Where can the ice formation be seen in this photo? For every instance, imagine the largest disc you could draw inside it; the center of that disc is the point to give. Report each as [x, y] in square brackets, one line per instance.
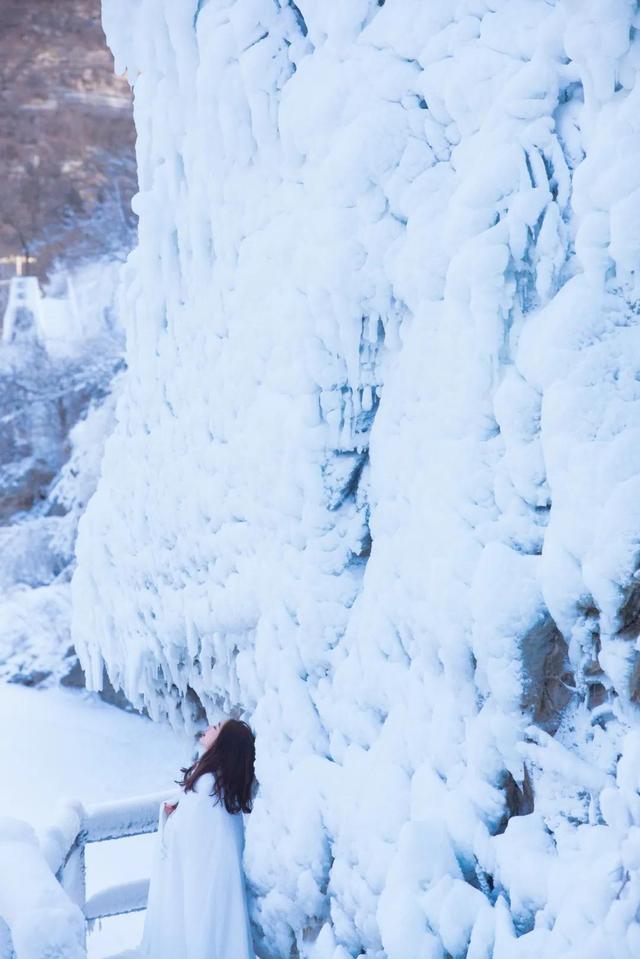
[376, 474]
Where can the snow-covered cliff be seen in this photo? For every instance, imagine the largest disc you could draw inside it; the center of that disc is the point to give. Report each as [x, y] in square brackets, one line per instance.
[59, 356]
[376, 475]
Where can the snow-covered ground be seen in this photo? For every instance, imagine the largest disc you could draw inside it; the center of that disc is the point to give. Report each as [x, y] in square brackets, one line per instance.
[61, 744]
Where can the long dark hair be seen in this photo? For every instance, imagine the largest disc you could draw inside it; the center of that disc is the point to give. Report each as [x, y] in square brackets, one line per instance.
[231, 759]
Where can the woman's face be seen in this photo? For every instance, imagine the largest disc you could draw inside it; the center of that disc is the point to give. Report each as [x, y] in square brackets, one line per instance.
[210, 735]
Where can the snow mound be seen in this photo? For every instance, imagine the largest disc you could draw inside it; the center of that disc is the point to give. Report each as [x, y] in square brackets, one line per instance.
[44, 923]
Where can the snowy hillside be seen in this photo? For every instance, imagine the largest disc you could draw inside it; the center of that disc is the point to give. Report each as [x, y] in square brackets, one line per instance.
[376, 474]
[58, 357]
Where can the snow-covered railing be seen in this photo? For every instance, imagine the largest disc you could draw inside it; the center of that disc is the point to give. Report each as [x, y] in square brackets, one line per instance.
[63, 850]
[101, 822]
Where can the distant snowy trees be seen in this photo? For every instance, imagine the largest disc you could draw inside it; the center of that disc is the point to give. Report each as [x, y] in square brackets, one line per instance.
[41, 399]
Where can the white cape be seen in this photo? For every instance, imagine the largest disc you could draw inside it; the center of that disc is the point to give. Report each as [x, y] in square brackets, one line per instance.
[197, 903]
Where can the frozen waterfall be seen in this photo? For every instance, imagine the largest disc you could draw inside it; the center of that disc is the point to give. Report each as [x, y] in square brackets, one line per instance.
[376, 475]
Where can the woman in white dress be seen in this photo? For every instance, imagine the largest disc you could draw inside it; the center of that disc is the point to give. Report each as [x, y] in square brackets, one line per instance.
[197, 902]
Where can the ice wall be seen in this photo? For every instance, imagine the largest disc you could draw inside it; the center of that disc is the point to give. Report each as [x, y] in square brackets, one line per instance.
[376, 475]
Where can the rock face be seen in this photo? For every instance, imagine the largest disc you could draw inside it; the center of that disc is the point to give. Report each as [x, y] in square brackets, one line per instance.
[66, 135]
[375, 480]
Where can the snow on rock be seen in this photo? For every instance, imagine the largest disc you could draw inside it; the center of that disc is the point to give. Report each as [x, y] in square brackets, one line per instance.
[36, 561]
[34, 632]
[44, 922]
[375, 476]
[29, 554]
[56, 408]
[80, 305]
